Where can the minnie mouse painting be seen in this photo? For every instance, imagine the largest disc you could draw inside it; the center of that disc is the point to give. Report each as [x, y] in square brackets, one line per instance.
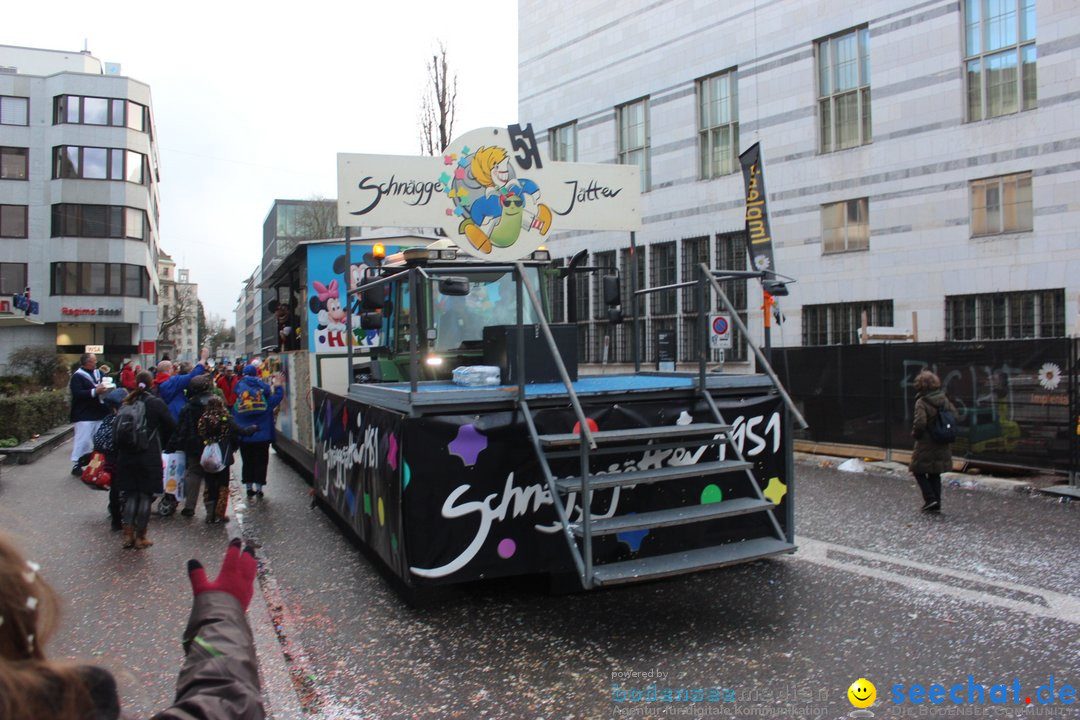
[326, 304]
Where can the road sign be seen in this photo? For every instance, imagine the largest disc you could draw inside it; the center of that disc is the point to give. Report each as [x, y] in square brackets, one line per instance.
[96, 349]
[720, 332]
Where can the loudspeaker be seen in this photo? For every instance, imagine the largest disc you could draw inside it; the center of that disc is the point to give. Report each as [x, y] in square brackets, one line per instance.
[500, 350]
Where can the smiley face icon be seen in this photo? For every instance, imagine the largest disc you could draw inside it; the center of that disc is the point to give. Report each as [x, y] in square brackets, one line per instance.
[862, 693]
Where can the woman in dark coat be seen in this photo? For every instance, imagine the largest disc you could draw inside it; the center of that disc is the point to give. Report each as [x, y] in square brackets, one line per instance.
[139, 474]
[930, 458]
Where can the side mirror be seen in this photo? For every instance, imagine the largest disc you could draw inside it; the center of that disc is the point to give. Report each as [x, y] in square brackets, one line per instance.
[612, 296]
[457, 286]
[371, 321]
[372, 298]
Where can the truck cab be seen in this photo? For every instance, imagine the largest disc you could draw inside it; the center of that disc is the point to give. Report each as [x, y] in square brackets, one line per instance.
[448, 313]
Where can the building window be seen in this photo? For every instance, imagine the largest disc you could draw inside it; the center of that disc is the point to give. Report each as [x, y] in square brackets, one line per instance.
[731, 255]
[12, 278]
[104, 221]
[694, 252]
[556, 288]
[12, 221]
[564, 143]
[840, 323]
[604, 340]
[630, 283]
[999, 61]
[122, 280]
[91, 163]
[633, 122]
[845, 226]
[1000, 316]
[844, 90]
[78, 110]
[1001, 205]
[14, 110]
[14, 163]
[662, 271]
[580, 307]
[718, 125]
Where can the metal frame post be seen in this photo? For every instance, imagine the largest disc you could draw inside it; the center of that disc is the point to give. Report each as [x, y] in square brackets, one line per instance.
[348, 314]
[634, 301]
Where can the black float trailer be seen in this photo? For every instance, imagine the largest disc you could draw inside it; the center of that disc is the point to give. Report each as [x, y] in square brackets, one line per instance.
[447, 483]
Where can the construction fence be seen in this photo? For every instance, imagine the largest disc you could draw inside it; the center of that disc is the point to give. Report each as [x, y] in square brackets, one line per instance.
[1017, 400]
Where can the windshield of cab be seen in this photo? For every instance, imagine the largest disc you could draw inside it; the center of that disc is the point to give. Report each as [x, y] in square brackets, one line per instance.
[492, 300]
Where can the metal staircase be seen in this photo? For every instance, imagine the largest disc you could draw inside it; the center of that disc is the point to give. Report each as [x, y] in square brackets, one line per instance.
[587, 444]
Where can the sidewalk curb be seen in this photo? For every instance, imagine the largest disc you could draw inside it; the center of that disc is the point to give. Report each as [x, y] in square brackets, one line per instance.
[963, 481]
[32, 450]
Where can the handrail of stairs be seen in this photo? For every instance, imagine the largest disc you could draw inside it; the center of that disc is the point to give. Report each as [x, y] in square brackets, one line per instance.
[757, 351]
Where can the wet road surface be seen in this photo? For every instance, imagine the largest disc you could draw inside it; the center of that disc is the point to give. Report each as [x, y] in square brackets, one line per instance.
[991, 588]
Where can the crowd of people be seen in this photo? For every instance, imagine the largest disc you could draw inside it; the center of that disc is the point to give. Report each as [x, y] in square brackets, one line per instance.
[173, 409]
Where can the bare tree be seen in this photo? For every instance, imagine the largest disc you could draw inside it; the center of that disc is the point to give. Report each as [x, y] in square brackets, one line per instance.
[438, 106]
[317, 219]
[184, 305]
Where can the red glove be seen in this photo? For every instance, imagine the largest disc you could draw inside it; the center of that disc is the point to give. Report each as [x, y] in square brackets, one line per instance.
[237, 576]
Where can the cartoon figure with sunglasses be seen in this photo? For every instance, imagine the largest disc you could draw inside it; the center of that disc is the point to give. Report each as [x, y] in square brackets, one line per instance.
[498, 212]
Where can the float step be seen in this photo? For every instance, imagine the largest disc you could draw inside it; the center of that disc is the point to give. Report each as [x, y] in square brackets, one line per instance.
[662, 566]
[674, 516]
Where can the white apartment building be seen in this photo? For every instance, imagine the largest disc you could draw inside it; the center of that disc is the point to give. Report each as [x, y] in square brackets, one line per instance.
[920, 157]
[78, 203]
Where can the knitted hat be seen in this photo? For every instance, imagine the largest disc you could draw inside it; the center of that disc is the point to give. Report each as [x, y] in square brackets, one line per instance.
[115, 398]
[251, 370]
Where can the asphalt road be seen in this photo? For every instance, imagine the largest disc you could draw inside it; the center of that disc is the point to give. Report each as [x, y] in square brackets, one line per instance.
[990, 589]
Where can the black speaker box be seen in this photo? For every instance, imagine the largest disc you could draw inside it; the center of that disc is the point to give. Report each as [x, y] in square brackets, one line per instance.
[500, 350]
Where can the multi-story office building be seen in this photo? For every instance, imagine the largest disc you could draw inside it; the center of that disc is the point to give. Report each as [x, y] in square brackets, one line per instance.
[288, 223]
[248, 319]
[78, 202]
[919, 157]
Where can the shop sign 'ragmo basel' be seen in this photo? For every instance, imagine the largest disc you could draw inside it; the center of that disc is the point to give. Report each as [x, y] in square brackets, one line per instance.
[490, 191]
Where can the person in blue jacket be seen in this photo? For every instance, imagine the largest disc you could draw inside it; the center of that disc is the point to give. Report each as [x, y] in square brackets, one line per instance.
[255, 403]
[170, 388]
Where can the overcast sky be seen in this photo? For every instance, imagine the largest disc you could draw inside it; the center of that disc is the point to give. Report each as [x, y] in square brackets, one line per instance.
[252, 101]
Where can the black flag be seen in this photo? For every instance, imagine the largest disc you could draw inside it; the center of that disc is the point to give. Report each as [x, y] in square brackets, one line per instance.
[758, 235]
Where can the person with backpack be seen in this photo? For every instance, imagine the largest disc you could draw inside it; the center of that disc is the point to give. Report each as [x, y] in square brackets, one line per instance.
[934, 429]
[105, 443]
[142, 427]
[186, 439]
[255, 403]
[217, 427]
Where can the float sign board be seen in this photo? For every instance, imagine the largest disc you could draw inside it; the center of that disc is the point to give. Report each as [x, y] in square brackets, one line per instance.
[490, 191]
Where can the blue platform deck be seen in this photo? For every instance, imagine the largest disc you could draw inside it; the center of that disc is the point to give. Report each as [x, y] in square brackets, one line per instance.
[436, 394]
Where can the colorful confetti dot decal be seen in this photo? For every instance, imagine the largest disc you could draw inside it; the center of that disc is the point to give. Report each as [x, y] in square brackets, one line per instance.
[406, 473]
[711, 494]
[350, 501]
[633, 538]
[391, 453]
[468, 444]
[367, 504]
[775, 490]
[393, 541]
[507, 548]
[382, 513]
